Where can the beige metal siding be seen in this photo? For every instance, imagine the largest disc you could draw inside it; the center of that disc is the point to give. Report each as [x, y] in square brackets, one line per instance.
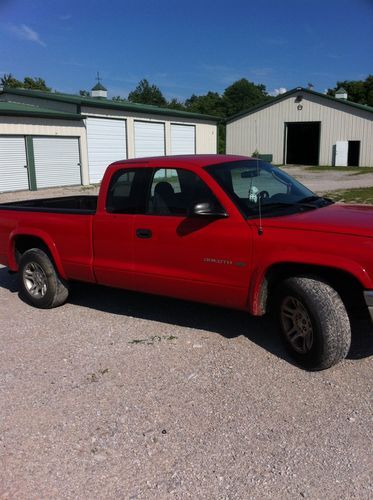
[12, 125]
[265, 129]
[206, 132]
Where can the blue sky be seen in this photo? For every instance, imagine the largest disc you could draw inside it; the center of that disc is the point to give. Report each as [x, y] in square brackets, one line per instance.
[186, 47]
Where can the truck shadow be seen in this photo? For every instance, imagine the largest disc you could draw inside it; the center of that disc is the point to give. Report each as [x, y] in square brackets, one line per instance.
[226, 322]
[229, 323]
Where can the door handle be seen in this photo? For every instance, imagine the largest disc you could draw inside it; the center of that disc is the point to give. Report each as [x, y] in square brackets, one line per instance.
[144, 233]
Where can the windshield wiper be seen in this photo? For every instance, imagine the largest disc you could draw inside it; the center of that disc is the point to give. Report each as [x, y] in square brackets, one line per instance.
[284, 204]
[313, 198]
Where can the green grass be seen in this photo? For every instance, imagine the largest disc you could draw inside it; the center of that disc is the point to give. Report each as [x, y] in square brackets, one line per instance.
[89, 187]
[354, 170]
[355, 195]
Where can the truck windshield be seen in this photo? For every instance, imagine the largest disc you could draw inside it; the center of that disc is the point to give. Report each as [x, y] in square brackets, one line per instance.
[248, 182]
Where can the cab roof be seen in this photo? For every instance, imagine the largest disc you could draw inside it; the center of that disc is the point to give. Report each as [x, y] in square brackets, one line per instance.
[182, 160]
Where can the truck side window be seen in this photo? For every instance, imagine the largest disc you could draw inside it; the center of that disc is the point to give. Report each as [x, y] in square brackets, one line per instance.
[175, 191]
[126, 193]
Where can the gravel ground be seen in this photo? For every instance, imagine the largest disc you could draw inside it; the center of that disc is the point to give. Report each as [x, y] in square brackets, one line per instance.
[124, 395]
[322, 182]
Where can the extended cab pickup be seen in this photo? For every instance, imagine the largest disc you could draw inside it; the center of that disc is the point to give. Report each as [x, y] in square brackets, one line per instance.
[226, 230]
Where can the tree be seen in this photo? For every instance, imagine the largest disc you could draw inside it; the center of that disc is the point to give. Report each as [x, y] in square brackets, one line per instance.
[176, 104]
[8, 80]
[145, 93]
[35, 84]
[210, 104]
[118, 98]
[359, 91]
[242, 95]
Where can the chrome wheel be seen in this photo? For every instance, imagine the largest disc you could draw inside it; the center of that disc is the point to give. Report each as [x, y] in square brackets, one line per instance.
[35, 280]
[296, 324]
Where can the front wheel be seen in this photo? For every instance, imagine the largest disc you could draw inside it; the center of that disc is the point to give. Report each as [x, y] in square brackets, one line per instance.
[39, 282]
[314, 323]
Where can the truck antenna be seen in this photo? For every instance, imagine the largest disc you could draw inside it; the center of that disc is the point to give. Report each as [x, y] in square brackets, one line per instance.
[260, 228]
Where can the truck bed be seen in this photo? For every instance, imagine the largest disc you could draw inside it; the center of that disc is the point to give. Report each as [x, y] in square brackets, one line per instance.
[82, 204]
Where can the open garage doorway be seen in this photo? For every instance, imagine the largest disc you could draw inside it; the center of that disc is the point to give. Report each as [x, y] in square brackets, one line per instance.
[353, 156]
[302, 143]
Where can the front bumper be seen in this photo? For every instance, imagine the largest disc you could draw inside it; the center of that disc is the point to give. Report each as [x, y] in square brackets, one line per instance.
[368, 295]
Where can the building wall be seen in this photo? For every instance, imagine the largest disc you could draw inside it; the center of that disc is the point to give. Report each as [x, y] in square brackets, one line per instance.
[49, 127]
[264, 130]
[206, 132]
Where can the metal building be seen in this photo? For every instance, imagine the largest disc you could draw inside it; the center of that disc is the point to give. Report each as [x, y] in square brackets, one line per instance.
[305, 127]
[50, 139]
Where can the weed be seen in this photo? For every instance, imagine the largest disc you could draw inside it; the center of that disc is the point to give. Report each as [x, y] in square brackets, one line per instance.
[153, 339]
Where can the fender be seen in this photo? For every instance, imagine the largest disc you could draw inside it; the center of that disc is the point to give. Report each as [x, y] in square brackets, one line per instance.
[258, 282]
[35, 233]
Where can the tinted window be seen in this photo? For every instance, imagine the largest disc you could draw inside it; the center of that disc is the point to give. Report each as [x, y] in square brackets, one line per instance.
[127, 191]
[176, 191]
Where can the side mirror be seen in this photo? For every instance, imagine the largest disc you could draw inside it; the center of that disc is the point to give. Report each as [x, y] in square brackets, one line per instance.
[207, 209]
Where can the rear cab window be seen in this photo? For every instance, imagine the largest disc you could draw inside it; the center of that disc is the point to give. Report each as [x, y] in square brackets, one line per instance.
[127, 191]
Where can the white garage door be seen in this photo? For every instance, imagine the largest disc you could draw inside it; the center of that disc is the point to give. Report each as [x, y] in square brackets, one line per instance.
[149, 139]
[106, 144]
[183, 139]
[57, 161]
[13, 174]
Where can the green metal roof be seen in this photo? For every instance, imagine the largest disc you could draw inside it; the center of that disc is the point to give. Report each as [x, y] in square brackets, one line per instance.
[17, 109]
[341, 90]
[342, 102]
[108, 104]
[98, 86]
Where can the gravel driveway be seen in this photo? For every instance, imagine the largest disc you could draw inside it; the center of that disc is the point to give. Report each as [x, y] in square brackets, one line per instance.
[322, 182]
[124, 395]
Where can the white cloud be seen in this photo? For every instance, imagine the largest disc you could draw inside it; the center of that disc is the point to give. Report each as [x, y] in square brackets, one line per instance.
[26, 33]
[278, 91]
[65, 17]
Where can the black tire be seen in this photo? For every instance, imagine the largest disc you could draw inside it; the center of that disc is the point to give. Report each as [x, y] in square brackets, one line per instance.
[39, 283]
[314, 323]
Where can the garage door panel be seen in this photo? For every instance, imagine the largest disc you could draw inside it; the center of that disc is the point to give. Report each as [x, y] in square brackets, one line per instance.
[13, 174]
[106, 144]
[183, 139]
[149, 139]
[57, 161]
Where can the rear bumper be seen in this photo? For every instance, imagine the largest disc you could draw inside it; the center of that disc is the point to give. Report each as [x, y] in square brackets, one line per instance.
[368, 296]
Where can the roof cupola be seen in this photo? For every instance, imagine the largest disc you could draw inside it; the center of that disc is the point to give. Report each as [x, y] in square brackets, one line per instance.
[99, 90]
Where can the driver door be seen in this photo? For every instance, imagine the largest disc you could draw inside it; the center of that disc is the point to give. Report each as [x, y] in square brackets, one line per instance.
[202, 258]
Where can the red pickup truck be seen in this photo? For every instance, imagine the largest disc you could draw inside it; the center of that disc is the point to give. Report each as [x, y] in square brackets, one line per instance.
[226, 230]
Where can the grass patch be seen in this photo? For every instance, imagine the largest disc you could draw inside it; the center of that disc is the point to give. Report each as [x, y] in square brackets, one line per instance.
[357, 195]
[89, 187]
[354, 170]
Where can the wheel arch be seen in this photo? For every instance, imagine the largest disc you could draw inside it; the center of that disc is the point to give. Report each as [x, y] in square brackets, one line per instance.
[20, 242]
[346, 283]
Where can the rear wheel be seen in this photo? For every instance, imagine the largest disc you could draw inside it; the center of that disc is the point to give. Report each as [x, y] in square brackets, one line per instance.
[314, 323]
[39, 282]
